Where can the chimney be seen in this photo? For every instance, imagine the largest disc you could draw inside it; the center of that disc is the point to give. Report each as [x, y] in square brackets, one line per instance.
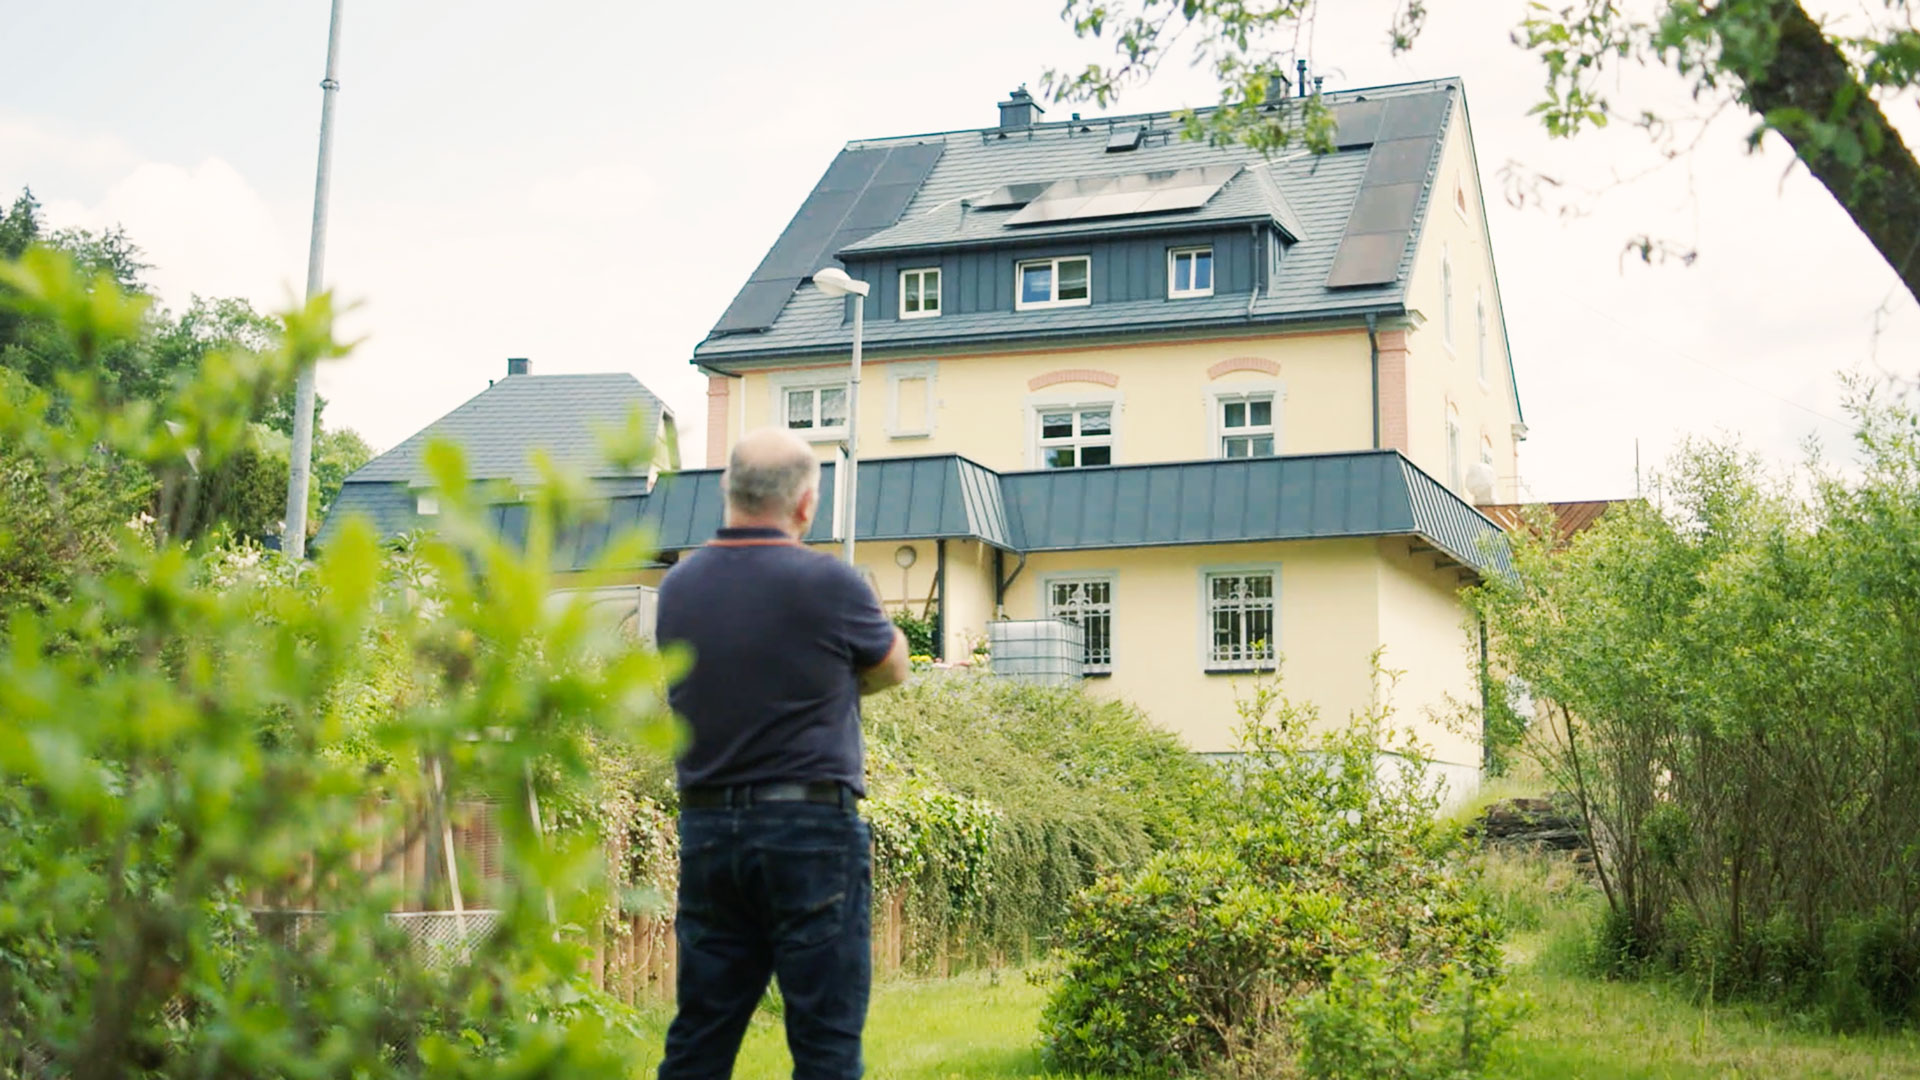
[1019, 110]
[1277, 90]
[519, 365]
[1301, 85]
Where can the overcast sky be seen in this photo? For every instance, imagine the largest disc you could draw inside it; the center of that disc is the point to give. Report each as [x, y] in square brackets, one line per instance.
[588, 183]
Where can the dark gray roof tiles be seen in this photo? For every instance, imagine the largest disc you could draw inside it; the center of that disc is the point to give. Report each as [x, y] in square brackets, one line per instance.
[500, 428]
[1310, 196]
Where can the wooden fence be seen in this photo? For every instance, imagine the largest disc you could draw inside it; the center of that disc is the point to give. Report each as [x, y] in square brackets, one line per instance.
[633, 955]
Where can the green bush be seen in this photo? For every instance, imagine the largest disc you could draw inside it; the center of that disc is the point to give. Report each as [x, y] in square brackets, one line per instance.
[995, 803]
[1323, 915]
[205, 751]
[921, 632]
[1716, 665]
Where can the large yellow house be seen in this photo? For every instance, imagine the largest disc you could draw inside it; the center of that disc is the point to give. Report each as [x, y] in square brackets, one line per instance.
[1225, 412]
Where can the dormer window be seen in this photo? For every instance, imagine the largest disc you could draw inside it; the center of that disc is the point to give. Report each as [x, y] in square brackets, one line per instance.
[1189, 272]
[920, 293]
[1047, 283]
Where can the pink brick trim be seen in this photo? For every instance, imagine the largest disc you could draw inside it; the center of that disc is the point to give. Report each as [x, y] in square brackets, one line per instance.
[1051, 378]
[1393, 391]
[1243, 363]
[719, 390]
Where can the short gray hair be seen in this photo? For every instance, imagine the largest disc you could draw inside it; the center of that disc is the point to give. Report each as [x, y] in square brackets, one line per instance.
[765, 480]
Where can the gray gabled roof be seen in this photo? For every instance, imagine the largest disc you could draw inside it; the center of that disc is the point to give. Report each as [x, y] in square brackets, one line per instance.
[1302, 497]
[500, 428]
[1313, 198]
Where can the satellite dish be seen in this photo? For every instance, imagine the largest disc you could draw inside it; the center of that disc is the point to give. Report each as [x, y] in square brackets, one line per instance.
[1480, 482]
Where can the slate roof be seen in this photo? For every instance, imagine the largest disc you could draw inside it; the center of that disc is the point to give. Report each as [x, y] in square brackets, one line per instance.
[500, 428]
[1312, 197]
[1300, 497]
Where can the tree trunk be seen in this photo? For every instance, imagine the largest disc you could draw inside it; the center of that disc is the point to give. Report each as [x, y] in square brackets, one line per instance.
[1807, 92]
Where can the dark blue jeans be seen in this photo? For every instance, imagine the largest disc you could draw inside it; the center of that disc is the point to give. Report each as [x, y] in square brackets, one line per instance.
[778, 890]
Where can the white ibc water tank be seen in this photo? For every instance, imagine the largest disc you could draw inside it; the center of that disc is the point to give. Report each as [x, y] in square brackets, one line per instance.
[631, 608]
[1050, 652]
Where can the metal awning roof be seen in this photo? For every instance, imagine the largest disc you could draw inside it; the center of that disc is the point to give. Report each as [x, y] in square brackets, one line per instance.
[1297, 497]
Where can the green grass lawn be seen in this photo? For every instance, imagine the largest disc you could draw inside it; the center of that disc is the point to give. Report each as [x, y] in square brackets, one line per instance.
[978, 1026]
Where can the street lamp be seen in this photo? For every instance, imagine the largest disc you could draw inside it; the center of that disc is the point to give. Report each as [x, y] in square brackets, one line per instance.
[835, 282]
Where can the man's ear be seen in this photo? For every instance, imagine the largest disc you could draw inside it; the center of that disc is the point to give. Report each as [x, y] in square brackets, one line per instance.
[809, 502]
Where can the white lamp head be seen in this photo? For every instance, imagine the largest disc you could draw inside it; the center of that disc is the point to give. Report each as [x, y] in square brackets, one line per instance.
[834, 282]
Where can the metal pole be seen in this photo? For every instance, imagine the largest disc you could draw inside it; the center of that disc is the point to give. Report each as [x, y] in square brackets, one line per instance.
[853, 425]
[293, 536]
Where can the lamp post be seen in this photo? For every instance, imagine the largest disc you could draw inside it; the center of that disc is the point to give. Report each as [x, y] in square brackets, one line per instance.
[834, 282]
[293, 534]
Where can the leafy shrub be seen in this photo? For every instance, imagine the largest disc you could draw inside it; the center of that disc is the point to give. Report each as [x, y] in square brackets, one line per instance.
[995, 803]
[1715, 666]
[1322, 917]
[920, 632]
[186, 750]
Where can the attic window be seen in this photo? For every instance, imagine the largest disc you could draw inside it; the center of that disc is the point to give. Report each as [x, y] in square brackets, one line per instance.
[920, 293]
[1046, 283]
[1459, 197]
[1123, 139]
[1189, 272]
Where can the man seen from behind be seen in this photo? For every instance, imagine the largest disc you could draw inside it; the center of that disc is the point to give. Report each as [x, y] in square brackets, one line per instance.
[775, 864]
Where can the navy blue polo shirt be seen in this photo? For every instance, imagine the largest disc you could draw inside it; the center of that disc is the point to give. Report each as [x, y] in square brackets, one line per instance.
[779, 636]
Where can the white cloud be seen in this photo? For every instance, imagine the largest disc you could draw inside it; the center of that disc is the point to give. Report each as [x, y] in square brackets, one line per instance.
[203, 229]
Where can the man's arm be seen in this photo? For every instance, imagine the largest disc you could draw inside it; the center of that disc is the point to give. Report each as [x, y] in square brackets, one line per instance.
[889, 672]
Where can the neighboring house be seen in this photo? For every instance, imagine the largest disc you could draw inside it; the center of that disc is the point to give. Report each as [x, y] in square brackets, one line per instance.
[500, 430]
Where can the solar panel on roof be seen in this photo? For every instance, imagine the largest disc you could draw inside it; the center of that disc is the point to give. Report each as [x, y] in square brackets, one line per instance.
[862, 192]
[1120, 196]
[1407, 131]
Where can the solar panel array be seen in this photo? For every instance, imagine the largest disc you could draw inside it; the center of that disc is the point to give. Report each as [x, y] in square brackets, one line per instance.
[1123, 196]
[1404, 132]
[862, 192]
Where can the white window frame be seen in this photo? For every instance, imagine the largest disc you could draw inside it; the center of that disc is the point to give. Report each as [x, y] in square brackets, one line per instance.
[1486, 449]
[1456, 453]
[781, 386]
[1084, 577]
[426, 503]
[1446, 298]
[939, 302]
[1217, 399]
[1480, 333]
[1209, 661]
[1173, 260]
[1020, 271]
[1038, 447]
[897, 376]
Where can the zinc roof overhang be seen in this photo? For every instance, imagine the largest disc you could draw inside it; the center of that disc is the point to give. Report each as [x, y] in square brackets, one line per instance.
[1297, 497]
[1229, 312]
[1369, 493]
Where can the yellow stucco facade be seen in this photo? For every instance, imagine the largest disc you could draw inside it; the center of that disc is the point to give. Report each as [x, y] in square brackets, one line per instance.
[985, 405]
[1457, 370]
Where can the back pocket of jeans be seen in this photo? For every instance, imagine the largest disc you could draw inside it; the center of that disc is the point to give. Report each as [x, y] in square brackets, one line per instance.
[809, 889]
